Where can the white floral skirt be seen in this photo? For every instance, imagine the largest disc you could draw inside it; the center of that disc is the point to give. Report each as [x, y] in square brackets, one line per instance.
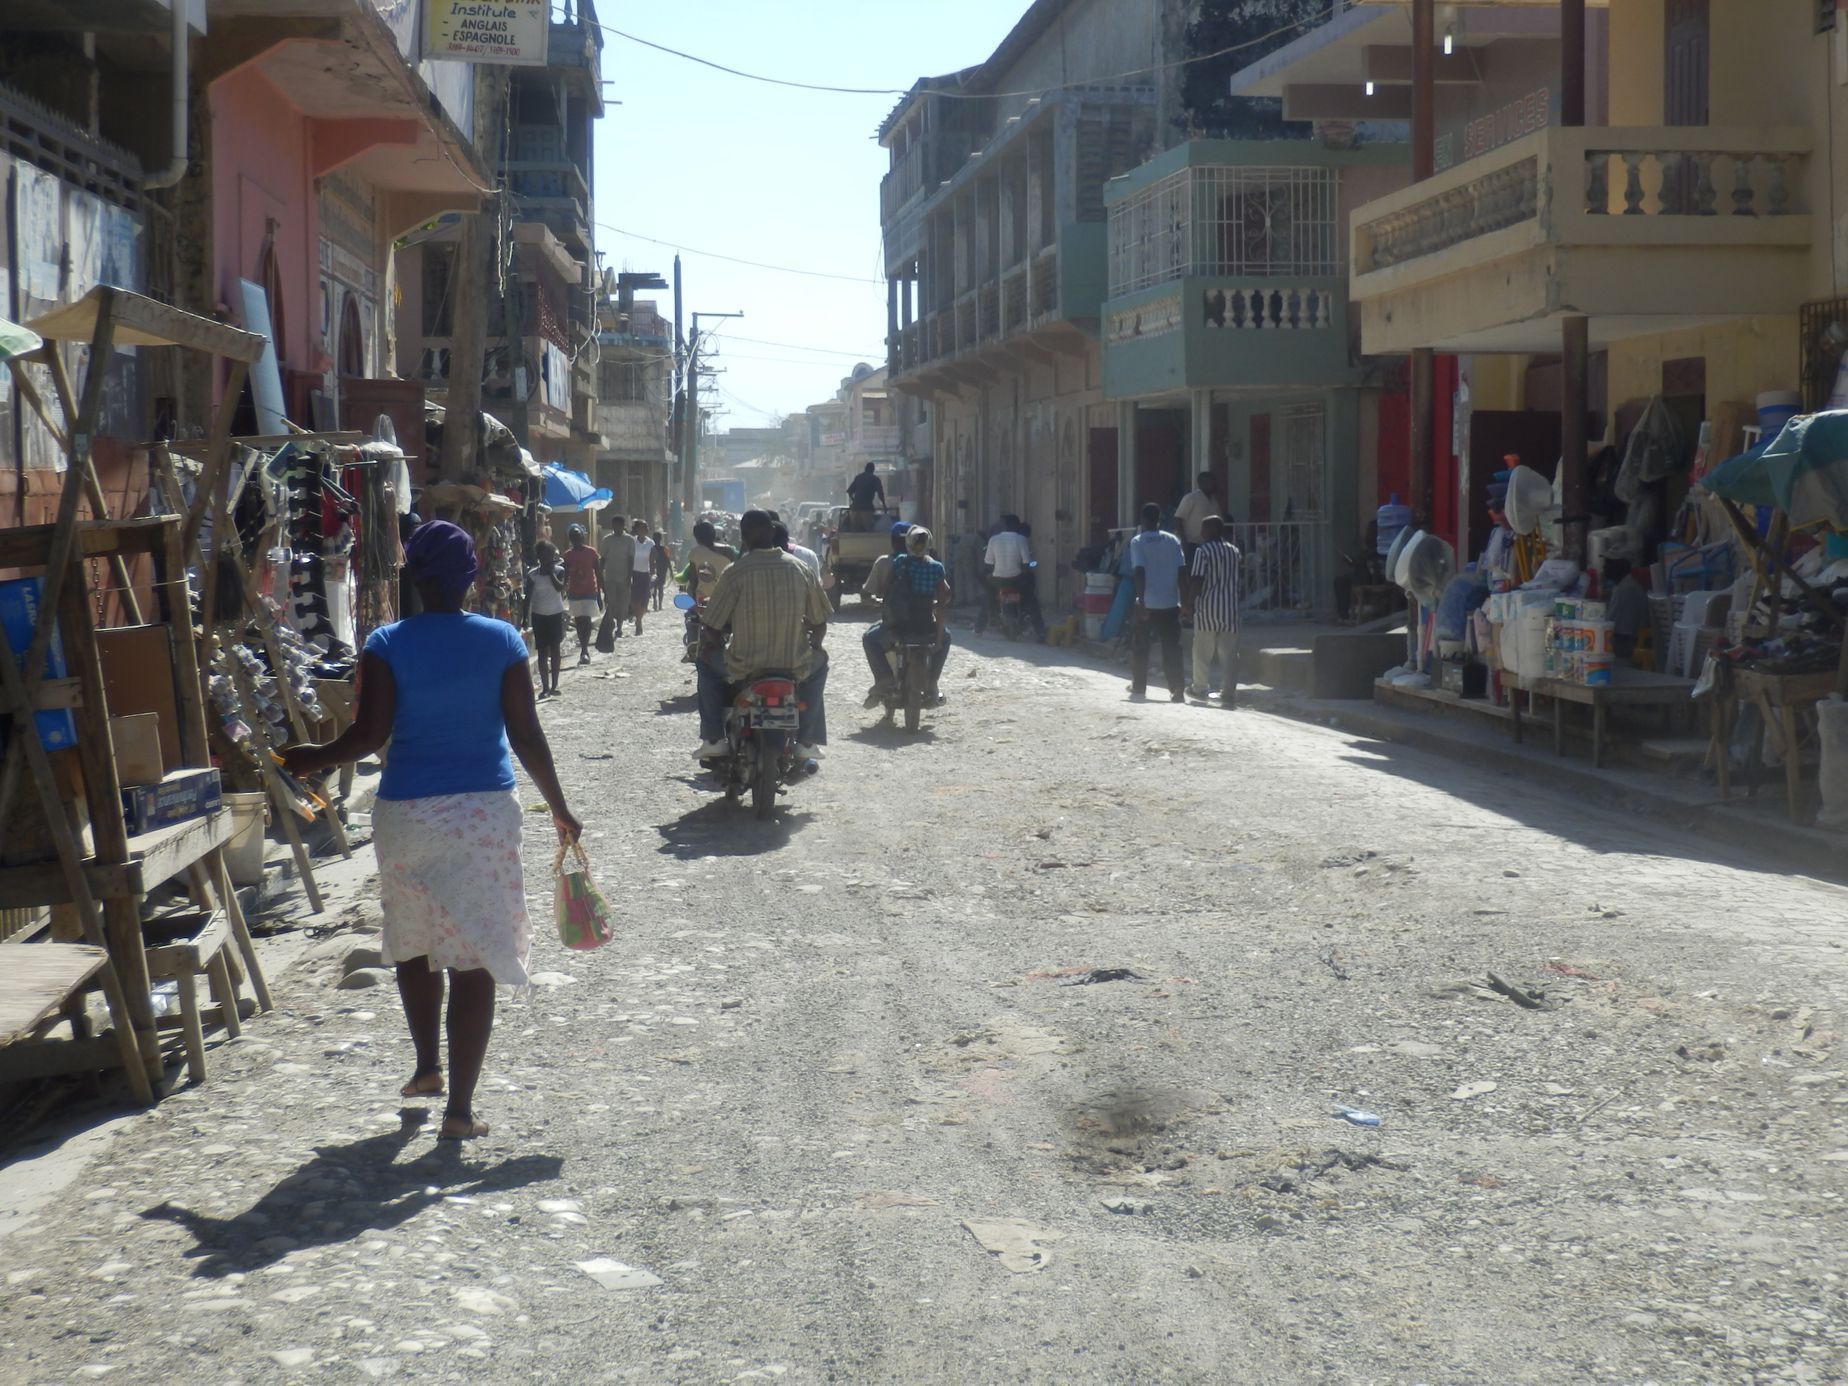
[452, 885]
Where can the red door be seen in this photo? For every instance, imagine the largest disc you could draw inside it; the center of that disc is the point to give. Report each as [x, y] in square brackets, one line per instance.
[1160, 463]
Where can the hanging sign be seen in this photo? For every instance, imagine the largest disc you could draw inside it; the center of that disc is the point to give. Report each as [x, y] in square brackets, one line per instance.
[512, 32]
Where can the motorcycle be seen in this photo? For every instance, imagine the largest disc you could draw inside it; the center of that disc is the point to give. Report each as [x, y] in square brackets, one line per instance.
[909, 689]
[1012, 608]
[685, 602]
[760, 732]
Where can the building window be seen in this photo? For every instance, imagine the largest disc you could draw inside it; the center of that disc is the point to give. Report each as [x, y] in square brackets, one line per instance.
[1231, 222]
[623, 382]
[1825, 15]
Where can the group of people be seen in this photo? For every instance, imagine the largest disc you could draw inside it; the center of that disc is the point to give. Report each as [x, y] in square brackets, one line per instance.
[611, 583]
[450, 692]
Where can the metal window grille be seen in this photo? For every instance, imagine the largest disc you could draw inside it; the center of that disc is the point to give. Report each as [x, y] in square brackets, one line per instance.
[1227, 221]
[1823, 330]
[1304, 446]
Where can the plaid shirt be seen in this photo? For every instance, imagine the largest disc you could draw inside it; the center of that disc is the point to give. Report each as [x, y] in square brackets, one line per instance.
[768, 599]
[921, 575]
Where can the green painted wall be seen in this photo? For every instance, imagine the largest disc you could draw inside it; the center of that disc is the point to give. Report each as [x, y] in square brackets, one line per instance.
[1201, 355]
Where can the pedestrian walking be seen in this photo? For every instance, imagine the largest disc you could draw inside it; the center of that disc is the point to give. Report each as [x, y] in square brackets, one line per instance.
[641, 573]
[663, 565]
[545, 609]
[1191, 514]
[1156, 558]
[617, 553]
[1212, 604]
[583, 588]
[449, 692]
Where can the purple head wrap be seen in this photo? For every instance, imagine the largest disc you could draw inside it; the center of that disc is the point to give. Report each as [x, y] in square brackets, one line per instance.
[442, 554]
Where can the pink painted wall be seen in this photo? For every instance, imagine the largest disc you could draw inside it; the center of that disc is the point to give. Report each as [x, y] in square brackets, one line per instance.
[260, 172]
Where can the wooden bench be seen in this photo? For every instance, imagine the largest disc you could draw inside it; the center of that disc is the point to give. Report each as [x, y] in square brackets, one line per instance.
[1628, 688]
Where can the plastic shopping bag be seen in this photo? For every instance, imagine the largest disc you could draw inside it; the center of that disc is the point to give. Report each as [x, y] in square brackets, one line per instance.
[583, 914]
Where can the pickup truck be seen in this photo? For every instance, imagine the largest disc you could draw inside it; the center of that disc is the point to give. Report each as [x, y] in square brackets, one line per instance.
[852, 552]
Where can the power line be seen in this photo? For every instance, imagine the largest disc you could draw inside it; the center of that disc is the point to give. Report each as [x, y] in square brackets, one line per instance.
[800, 346]
[1296, 24]
[736, 260]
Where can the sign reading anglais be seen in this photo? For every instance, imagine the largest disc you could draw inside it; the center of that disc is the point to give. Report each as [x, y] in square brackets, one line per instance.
[513, 32]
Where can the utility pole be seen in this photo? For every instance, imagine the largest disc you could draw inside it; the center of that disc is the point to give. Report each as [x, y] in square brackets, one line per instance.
[468, 330]
[677, 410]
[689, 466]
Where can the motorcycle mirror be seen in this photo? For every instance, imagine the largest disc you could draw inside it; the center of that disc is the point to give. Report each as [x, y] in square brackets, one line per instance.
[682, 602]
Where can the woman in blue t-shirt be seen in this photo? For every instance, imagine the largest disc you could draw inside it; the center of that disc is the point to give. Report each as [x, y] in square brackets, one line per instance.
[449, 691]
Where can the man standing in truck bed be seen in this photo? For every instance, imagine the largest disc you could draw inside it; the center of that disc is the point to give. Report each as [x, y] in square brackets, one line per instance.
[865, 493]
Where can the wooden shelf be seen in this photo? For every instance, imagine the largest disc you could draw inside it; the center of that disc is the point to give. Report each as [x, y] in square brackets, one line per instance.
[152, 858]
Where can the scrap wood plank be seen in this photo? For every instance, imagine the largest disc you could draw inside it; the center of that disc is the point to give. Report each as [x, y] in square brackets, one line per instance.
[37, 980]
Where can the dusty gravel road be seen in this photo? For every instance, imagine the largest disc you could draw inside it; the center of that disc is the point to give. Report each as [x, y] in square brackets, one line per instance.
[844, 1087]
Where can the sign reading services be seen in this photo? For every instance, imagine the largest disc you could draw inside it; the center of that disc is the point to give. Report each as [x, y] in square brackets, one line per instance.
[513, 32]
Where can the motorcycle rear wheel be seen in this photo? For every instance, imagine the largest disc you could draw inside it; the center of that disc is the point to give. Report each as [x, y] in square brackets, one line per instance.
[763, 786]
[915, 674]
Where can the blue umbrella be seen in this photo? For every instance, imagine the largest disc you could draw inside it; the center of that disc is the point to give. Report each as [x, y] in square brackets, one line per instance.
[568, 490]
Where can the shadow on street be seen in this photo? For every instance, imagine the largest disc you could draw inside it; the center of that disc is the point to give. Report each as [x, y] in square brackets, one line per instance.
[719, 829]
[889, 735]
[360, 1187]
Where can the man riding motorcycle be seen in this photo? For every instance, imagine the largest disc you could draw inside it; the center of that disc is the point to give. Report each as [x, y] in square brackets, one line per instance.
[1008, 562]
[924, 598]
[777, 616]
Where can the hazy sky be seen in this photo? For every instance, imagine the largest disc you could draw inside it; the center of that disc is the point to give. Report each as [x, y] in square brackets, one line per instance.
[717, 163]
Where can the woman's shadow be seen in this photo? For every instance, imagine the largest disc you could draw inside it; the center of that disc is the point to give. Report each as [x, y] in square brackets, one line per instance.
[361, 1185]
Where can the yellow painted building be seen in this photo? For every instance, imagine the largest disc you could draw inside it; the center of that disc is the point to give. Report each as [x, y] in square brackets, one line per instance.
[1691, 230]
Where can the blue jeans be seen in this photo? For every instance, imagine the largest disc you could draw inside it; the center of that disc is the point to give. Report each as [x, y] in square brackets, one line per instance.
[876, 644]
[716, 693]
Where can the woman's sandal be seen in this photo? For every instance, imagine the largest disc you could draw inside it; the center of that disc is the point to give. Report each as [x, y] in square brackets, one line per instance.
[424, 1085]
[461, 1129]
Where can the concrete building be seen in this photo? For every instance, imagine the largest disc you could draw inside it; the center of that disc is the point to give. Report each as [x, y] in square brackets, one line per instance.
[635, 371]
[539, 273]
[1229, 346]
[1498, 83]
[1619, 205]
[996, 247]
[315, 136]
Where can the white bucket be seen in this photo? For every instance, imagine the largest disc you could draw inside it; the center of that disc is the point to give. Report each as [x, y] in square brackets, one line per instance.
[244, 852]
[1100, 582]
[1094, 624]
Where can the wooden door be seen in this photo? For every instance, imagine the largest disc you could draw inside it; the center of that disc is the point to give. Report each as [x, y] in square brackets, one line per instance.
[1161, 459]
[1101, 454]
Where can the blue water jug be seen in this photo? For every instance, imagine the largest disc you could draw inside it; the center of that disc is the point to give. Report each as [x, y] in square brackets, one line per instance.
[1392, 518]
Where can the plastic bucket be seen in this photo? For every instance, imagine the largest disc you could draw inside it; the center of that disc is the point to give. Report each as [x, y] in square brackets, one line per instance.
[244, 852]
[1094, 623]
[1103, 584]
[1775, 409]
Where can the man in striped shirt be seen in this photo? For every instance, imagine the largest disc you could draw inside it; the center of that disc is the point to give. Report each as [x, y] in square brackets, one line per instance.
[1212, 601]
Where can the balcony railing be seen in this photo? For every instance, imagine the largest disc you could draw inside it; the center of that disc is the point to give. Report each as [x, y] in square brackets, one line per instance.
[1691, 186]
[1026, 297]
[1227, 220]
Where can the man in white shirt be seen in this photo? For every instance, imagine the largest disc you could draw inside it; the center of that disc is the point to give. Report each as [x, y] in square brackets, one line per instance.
[1195, 508]
[1007, 561]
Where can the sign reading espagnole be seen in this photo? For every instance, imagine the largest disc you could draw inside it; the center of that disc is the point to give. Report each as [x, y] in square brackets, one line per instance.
[513, 32]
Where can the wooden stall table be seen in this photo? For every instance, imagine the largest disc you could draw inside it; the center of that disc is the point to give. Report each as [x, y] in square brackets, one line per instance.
[1778, 696]
[1629, 687]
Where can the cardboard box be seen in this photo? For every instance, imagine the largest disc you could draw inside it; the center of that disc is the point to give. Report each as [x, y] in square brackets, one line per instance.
[181, 795]
[19, 609]
[136, 739]
[25, 836]
[138, 676]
